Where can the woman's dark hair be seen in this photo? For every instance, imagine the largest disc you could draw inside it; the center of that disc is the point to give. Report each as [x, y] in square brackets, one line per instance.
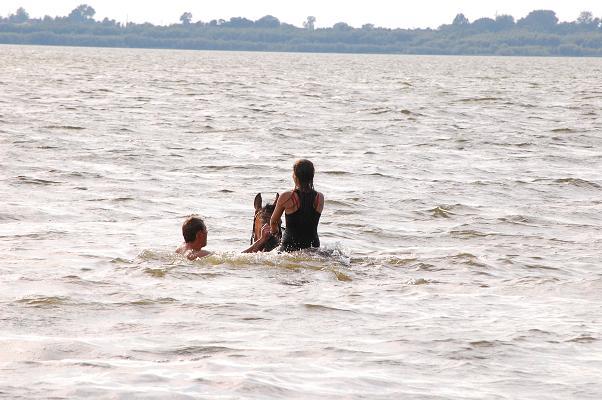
[191, 227]
[304, 171]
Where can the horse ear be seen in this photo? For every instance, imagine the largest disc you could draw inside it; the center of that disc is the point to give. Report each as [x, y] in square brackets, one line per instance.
[258, 202]
[277, 195]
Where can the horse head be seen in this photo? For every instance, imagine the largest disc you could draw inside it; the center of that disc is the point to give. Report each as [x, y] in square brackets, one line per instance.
[263, 214]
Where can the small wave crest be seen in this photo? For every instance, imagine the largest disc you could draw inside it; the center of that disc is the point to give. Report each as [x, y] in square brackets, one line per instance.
[578, 182]
[563, 130]
[520, 220]
[66, 127]
[9, 217]
[35, 181]
[43, 301]
[194, 352]
[321, 307]
[480, 99]
[441, 212]
[448, 210]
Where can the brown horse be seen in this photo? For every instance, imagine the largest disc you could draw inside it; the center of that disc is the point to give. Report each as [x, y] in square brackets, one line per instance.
[262, 217]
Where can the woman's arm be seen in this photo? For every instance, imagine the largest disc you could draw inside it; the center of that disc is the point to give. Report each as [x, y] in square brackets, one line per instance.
[278, 211]
[259, 244]
[319, 202]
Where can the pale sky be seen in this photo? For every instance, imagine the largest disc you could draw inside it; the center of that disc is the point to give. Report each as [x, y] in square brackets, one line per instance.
[385, 13]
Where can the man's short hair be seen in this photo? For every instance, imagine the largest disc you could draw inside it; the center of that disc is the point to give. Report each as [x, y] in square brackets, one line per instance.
[191, 227]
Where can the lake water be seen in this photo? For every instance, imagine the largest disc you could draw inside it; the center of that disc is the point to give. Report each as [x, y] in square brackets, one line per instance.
[462, 230]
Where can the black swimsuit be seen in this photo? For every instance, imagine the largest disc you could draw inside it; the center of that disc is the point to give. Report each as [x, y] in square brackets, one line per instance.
[302, 226]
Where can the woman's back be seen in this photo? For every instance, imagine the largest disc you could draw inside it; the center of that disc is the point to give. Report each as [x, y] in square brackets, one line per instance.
[303, 207]
[302, 225]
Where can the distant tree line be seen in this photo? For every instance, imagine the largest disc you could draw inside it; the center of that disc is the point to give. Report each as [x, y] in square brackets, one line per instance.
[538, 34]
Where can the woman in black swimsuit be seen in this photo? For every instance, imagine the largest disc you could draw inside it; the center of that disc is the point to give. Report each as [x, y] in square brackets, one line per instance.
[302, 207]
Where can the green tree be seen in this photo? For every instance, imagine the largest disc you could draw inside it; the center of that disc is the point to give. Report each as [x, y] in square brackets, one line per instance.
[539, 20]
[504, 22]
[484, 25]
[109, 22]
[309, 23]
[585, 18]
[82, 13]
[19, 16]
[239, 22]
[186, 18]
[267, 22]
[460, 20]
[342, 26]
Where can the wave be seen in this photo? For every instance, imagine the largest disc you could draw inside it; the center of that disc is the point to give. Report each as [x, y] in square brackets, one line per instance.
[468, 233]
[480, 99]
[578, 182]
[9, 217]
[332, 259]
[379, 110]
[583, 183]
[148, 302]
[66, 127]
[418, 282]
[43, 301]
[408, 112]
[336, 173]
[36, 181]
[448, 210]
[37, 235]
[583, 339]
[321, 307]
[441, 212]
[520, 220]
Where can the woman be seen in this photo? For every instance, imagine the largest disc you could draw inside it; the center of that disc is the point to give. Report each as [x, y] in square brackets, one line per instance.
[302, 207]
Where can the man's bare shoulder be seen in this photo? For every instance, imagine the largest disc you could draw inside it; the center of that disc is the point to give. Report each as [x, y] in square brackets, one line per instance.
[182, 249]
[193, 255]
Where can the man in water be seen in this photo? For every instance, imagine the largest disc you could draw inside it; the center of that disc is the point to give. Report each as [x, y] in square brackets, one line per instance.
[195, 238]
[194, 231]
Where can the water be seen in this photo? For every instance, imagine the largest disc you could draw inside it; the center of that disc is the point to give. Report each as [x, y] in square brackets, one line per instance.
[462, 227]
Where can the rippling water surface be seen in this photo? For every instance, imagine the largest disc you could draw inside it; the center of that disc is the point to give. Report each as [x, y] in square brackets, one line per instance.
[462, 230]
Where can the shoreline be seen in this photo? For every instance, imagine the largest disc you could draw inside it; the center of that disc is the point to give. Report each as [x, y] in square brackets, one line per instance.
[275, 51]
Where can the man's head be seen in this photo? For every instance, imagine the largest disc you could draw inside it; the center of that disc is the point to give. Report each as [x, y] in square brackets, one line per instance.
[194, 229]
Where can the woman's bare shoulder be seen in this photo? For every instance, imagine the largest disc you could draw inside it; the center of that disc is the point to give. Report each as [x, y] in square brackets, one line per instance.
[285, 196]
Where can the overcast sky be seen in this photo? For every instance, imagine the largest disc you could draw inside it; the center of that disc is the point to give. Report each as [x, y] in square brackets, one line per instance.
[386, 13]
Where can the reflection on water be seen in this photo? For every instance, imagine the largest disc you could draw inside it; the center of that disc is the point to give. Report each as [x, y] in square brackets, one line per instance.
[461, 228]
